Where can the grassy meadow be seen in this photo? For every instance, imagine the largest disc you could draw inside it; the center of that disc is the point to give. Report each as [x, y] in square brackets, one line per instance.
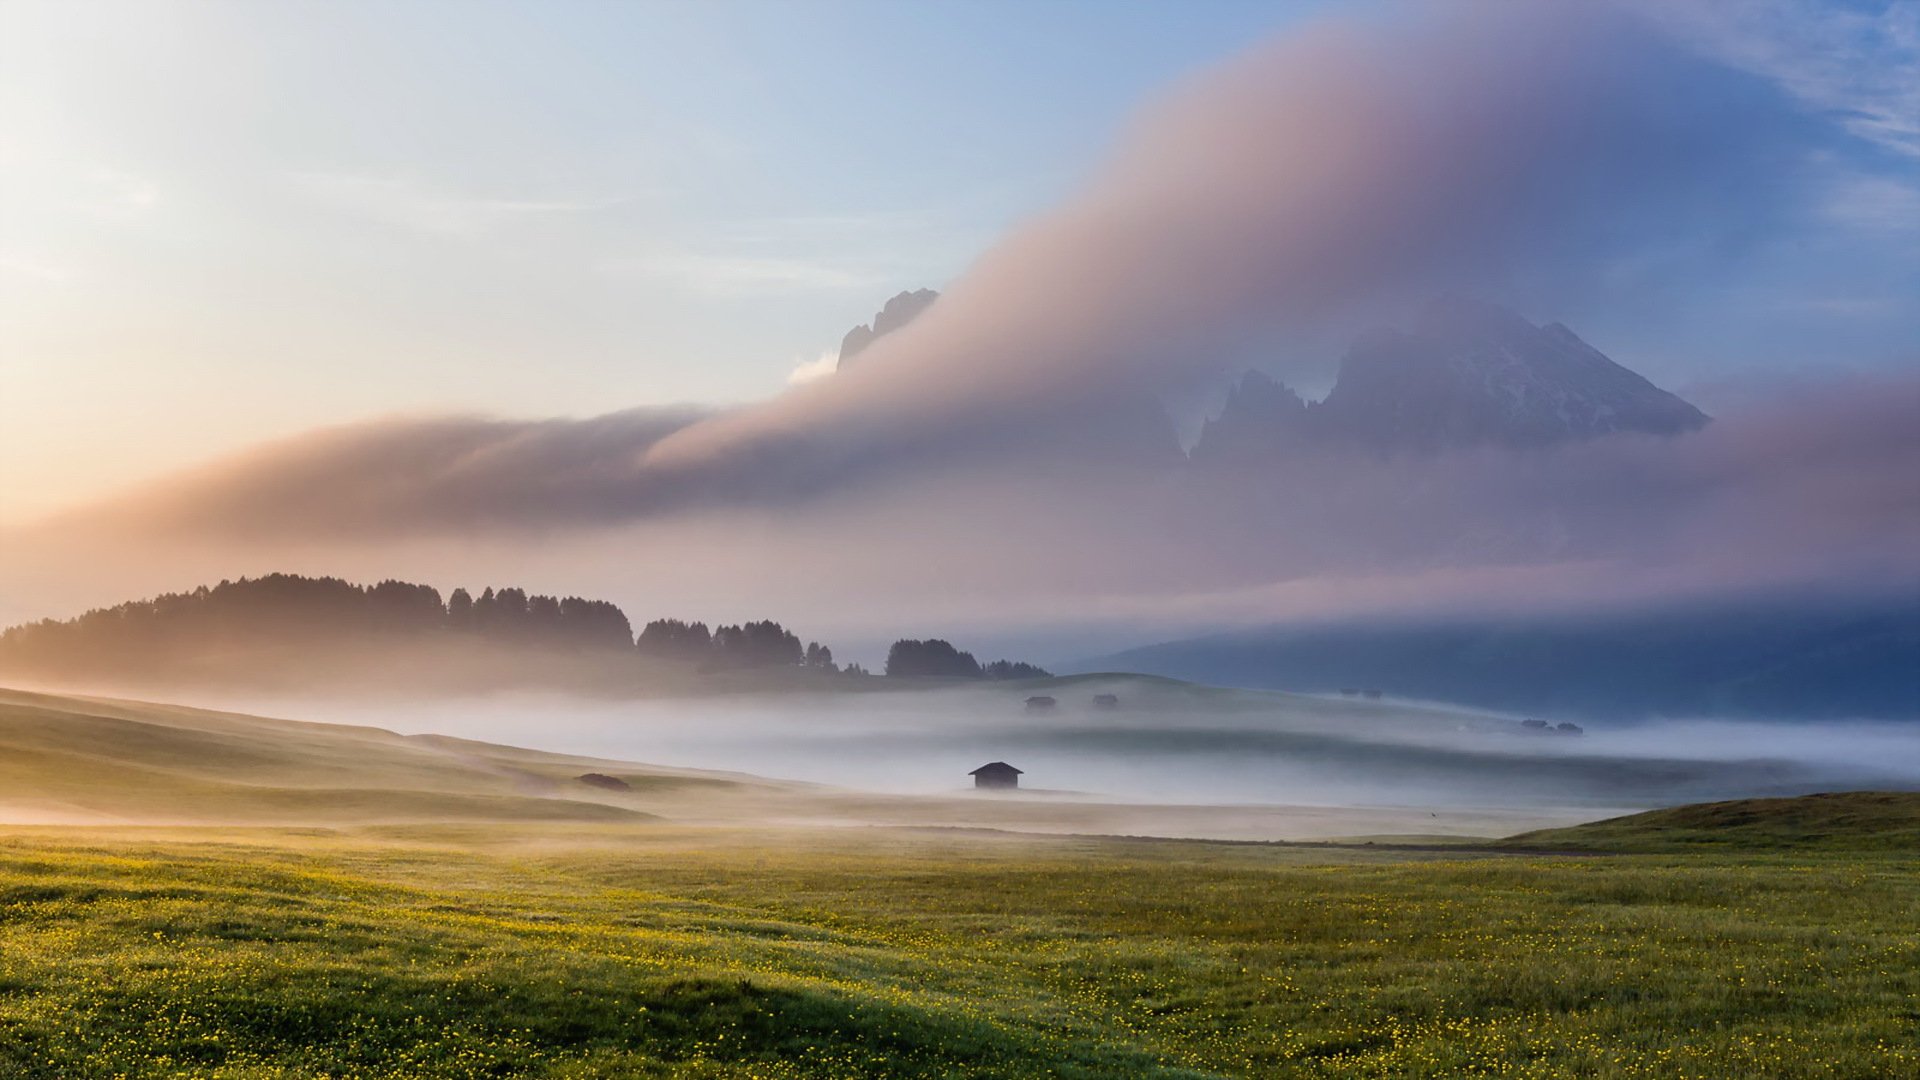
[463, 911]
[618, 950]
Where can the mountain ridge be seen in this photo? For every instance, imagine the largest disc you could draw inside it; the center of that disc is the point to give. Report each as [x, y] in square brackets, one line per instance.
[1464, 374]
[1461, 373]
[1782, 659]
[900, 309]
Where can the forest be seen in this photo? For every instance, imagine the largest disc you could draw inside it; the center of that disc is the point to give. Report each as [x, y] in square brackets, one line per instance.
[292, 615]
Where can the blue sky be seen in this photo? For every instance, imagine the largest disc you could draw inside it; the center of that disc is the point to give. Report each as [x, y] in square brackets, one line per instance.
[228, 221]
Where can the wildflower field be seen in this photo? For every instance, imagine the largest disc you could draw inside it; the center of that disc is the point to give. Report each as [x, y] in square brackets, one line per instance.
[659, 951]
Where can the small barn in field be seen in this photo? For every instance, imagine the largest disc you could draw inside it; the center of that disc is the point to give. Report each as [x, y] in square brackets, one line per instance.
[602, 780]
[1041, 703]
[996, 774]
[1106, 701]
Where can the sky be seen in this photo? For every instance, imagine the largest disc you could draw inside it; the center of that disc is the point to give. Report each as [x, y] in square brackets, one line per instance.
[225, 220]
[515, 292]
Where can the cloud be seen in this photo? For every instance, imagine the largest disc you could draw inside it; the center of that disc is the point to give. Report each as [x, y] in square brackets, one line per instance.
[819, 367]
[1814, 488]
[1861, 64]
[390, 477]
[1875, 202]
[1327, 172]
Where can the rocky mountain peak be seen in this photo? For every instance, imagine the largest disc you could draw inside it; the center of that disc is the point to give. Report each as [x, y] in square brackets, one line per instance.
[898, 311]
[1464, 373]
[1261, 417]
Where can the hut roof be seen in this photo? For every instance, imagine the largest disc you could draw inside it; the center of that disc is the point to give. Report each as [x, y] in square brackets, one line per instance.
[995, 767]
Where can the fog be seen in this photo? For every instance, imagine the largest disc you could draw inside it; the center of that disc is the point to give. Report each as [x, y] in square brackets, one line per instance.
[1817, 491]
[1173, 744]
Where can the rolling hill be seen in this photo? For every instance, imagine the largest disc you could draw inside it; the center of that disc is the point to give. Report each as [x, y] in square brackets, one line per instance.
[1848, 821]
[94, 760]
[97, 761]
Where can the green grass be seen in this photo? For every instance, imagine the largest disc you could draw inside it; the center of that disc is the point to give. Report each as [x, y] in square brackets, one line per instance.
[581, 951]
[88, 760]
[1865, 821]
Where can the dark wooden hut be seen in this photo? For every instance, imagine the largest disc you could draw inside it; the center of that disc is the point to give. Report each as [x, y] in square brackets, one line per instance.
[996, 774]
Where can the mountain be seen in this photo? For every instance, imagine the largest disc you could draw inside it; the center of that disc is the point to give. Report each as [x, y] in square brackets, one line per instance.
[1262, 419]
[903, 308]
[1464, 374]
[1778, 660]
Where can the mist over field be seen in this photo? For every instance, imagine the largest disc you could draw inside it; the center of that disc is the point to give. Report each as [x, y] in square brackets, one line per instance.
[1169, 743]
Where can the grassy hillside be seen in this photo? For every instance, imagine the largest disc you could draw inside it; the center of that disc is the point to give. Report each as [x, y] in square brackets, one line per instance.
[1864, 821]
[92, 760]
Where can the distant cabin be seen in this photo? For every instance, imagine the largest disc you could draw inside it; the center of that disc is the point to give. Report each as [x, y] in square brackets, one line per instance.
[1040, 703]
[1106, 701]
[602, 780]
[996, 774]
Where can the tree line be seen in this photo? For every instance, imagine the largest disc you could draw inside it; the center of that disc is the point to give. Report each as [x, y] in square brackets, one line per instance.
[297, 610]
[935, 658]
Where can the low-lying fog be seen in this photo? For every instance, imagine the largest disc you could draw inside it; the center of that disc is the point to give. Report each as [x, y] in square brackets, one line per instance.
[1176, 744]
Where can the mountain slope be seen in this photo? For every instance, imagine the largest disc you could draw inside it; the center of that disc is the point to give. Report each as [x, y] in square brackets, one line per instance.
[1787, 661]
[899, 310]
[1472, 373]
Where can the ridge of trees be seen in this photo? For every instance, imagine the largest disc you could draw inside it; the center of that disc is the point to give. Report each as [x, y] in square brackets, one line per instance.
[936, 658]
[296, 610]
